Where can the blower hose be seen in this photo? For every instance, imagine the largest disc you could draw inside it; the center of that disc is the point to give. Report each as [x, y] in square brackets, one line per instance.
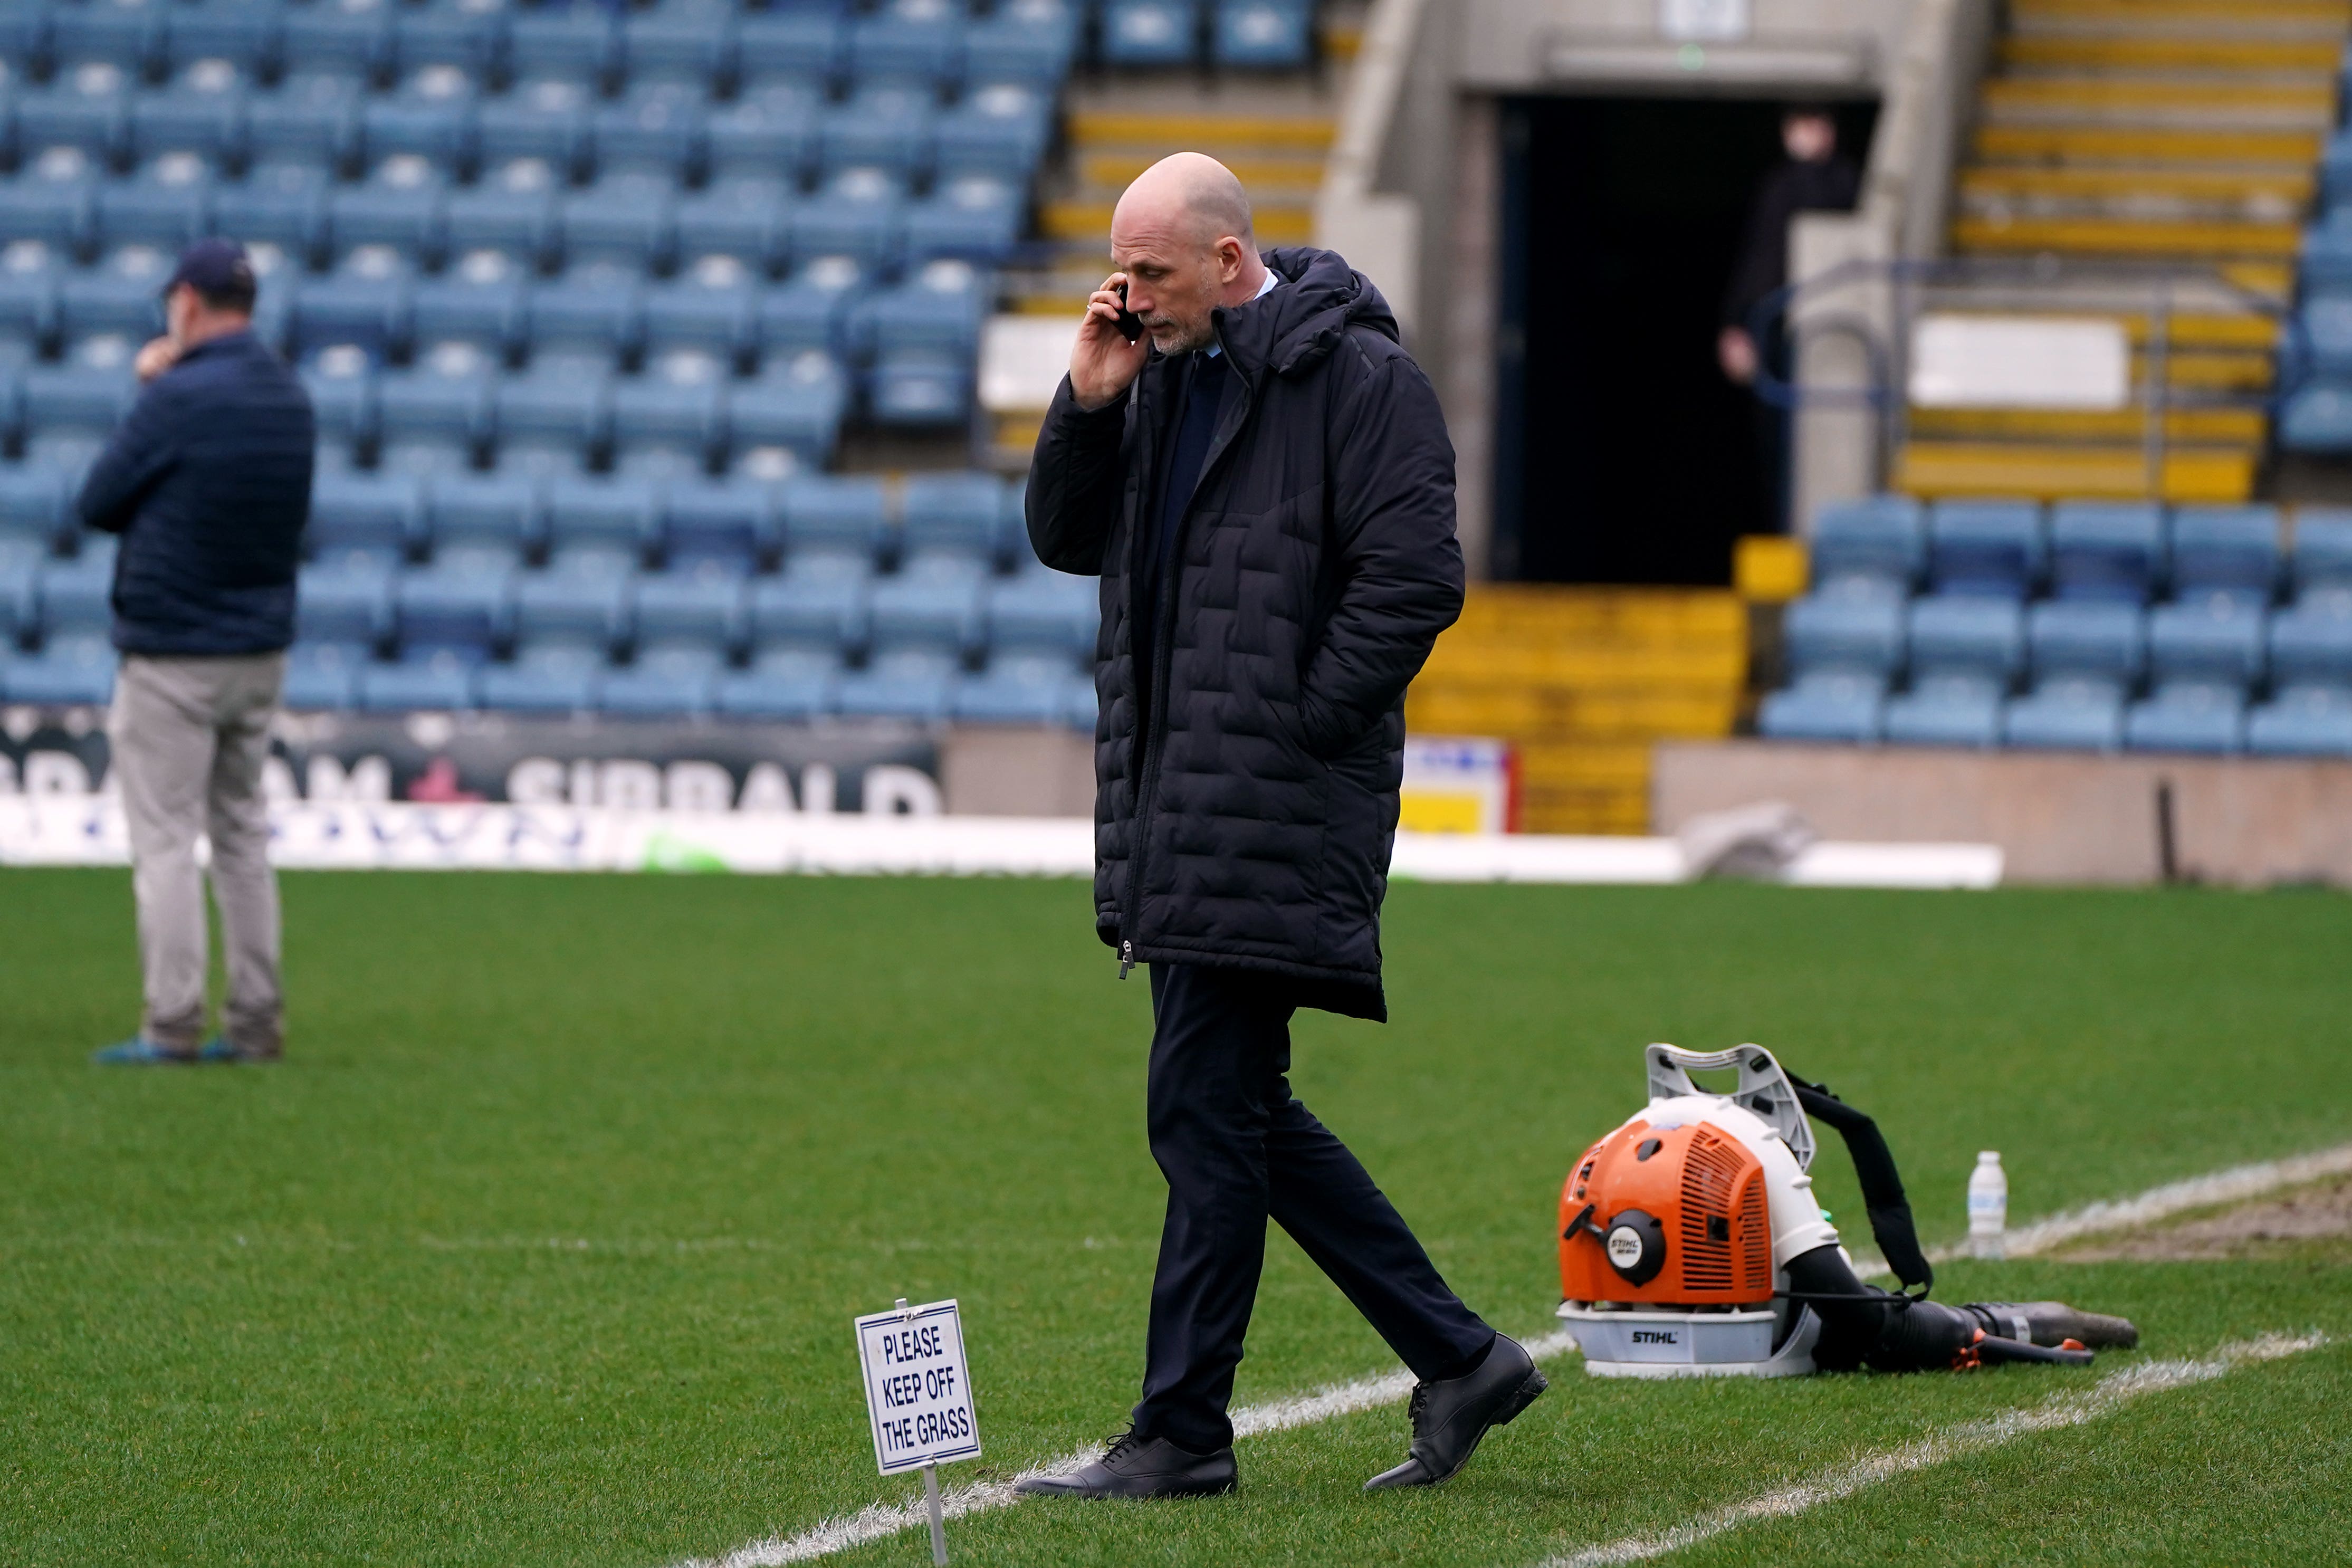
[1865, 1326]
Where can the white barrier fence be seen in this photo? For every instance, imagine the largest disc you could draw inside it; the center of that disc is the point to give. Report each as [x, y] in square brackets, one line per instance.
[87, 830]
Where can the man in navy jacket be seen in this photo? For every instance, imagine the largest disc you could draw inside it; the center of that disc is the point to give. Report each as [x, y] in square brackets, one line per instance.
[208, 482]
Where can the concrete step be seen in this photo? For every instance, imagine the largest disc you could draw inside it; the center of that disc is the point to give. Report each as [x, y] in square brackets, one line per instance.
[1574, 712]
[1162, 133]
[2267, 150]
[2184, 426]
[1518, 612]
[1267, 175]
[2052, 471]
[2100, 237]
[2141, 192]
[1278, 223]
[2201, 52]
[2159, 103]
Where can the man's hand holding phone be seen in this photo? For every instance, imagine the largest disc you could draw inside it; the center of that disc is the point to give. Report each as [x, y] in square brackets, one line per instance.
[1110, 350]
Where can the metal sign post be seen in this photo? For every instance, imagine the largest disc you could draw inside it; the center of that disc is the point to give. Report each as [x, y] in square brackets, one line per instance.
[919, 1397]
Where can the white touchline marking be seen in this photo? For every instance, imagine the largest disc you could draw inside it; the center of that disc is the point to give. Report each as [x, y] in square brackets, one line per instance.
[2235, 1185]
[2069, 1409]
[878, 1520]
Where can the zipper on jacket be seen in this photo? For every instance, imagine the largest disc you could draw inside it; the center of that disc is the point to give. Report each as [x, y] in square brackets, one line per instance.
[1164, 650]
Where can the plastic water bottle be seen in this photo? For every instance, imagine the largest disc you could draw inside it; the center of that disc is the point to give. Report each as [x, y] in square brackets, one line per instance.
[1987, 1205]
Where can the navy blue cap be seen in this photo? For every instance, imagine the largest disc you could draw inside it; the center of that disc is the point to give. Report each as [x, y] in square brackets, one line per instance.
[212, 267]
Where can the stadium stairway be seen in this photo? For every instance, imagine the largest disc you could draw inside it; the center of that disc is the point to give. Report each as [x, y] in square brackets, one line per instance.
[1583, 681]
[2114, 134]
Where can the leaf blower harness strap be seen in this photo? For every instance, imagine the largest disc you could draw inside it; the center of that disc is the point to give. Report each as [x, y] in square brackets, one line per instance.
[1891, 1332]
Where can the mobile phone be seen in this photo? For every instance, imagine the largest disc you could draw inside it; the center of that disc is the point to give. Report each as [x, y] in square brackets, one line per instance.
[1130, 325]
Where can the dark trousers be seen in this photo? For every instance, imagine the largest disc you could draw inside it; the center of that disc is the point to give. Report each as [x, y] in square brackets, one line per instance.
[1236, 1148]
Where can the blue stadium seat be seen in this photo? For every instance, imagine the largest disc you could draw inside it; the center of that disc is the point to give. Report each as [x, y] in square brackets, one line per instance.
[933, 606]
[953, 514]
[53, 202]
[690, 42]
[322, 677]
[436, 417]
[2226, 550]
[543, 677]
[741, 217]
[1029, 42]
[468, 35]
[308, 120]
[283, 205]
[2111, 551]
[769, 133]
[615, 516]
[458, 608]
[818, 602]
[887, 128]
[1959, 637]
[1876, 545]
[438, 679]
[973, 218]
[128, 35]
[920, 387]
[699, 608]
[578, 44]
[543, 120]
[340, 379]
[729, 523]
[552, 414]
[33, 520]
[2302, 722]
[711, 306]
[364, 302]
[353, 40]
[1043, 611]
[2066, 713]
[29, 273]
[663, 682]
[400, 205]
[795, 405]
[657, 130]
[85, 107]
[167, 203]
[486, 515]
[675, 407]
[859, 214]
[918, 42]
[628, 219]
[1989, 549]
[2310, 645]
[1000, 130]
[583, 611]
[84, 398]
[811, 311]
[431, 115]
[480, 302]
[345, 604]
[74, 671]
[1149, 32]
[2322, 559]
[1270, 34]
[1016, 688]
[246, 34]
[2316, 419]
[923, 336]
[202, 111]
[72, 597]
[2194, 717]
[1855, 636]
[789, 47]
[377, 515]
[2088, 641]
[124, 297]
[1826, 705]
[781, 683]
[2218, 641]
[828, 513]
[904, 684]
[591, 315]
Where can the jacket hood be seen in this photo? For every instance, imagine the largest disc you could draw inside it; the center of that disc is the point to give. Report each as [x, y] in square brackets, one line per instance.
[1295, 327]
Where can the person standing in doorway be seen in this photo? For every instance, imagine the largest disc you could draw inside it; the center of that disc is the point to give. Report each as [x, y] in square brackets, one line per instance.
[1816, 177]
[1261, 474]
[208, 483]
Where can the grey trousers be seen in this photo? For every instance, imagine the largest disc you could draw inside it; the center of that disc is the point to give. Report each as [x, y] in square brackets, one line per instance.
[189, 737]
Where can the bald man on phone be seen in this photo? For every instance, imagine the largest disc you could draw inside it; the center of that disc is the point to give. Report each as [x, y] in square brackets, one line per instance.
[1260, 474]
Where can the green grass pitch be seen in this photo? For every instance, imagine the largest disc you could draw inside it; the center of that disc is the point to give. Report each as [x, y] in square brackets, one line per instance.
[544, 1244]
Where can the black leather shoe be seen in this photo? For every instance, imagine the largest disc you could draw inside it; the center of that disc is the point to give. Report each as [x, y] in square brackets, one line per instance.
[1141, 1468]
[1450, 1417]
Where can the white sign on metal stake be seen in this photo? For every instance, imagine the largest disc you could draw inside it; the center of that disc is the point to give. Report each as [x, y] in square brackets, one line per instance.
[919, 1397]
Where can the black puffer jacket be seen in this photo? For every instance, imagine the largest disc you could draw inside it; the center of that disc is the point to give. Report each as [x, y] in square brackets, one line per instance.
[1251, 826]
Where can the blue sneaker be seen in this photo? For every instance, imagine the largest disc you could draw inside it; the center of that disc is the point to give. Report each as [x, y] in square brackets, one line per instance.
[140, 1051]
[219, 1049]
